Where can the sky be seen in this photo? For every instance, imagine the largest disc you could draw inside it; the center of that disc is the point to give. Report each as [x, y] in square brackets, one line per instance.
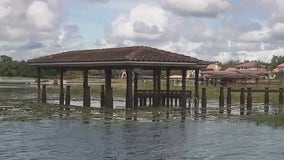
[214, 30]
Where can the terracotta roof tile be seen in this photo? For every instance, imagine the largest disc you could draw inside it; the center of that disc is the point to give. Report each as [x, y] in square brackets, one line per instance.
[136, 53]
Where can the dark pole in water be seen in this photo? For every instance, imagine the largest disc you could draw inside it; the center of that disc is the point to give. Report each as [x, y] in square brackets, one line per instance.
[43, 95]
[168, 72]
[61, 93]
[38, 84]
[86, 93]
[266, 100]
[159, 87]
[221, 100]
[102, 96]
[196, 91]
[67, 96]
[280, 100]
[249, 102]
[154, 88]
[108, 94]
[281, 96]
[183, 92]
[242, 101]
[204, 101]
[135, 89]
[229, 101]
[129, 93]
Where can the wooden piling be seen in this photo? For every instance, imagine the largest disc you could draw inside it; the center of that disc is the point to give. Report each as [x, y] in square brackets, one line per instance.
[281, 96]
[102, 96]
[249, 102]
[266, 100]
[229, 101]
[196, 92]
[61, 93]
[38, 84]
[168, 86]
[43, 94]
[221, 100]
[135, 89]
[203, 101]
[242, 101]
[87, 102]
[67, 96]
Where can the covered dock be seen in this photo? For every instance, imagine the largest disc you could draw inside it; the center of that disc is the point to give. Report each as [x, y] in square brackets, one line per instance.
[132, 59]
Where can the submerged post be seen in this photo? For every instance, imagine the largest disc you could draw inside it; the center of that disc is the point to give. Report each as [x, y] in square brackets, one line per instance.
[159, 87]
[229, 101]
[102, 96]
[281, 97]
[43, 95]
[86, 92]
[129, 93]
[67, 96]
[249, 102]
[266, 100]
[242, 101]
[135, 89]
[38, 84]
[168, 87]
[61, 93]
[203, 101]
[108, 90]
[155, 90]
[183, 92]
[196, 91]
[221, 100]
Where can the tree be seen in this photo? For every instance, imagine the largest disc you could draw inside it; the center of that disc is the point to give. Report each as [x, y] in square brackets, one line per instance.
[4, 58]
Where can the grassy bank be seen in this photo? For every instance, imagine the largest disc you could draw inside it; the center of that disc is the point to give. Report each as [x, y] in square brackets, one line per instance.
[270, 120]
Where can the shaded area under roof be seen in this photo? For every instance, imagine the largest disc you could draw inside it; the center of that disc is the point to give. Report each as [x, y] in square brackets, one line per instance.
[125, 56]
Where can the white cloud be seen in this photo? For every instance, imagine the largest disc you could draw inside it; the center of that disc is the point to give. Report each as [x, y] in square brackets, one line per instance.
[198, 8]
[5, 9]
[40, 15]
[141, 26]
[256, 35]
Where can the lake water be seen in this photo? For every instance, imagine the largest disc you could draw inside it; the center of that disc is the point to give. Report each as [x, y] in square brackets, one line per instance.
[74, 137]
[73, 140]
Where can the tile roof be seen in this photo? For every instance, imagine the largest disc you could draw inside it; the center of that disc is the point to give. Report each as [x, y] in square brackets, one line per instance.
[133, 54]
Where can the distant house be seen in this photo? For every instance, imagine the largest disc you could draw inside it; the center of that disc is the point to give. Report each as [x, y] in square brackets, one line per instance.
[250, 65]
[231, 69]
[212, 67]
[279, 68]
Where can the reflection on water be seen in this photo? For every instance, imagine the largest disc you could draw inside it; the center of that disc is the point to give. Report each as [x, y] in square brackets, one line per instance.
[66, 139]
[33, 131]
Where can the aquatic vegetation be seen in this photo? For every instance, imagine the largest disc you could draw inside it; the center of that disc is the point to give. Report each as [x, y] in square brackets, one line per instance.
[275, 120]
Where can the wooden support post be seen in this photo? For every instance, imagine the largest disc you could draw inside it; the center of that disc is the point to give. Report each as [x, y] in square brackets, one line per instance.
[159, 87]
[43, 95]
[67, 96]
[38, 84]
[155, 104]
[102, 96]
[183, 89]
[281, 97]
[135, 90]
[196, 91]
[168, 72]
[108, 91]
[203, 101]
[249, 102]
[242, 101]
[229, 101]
[266, 100]
[129, 93]
[86, 91]
[61, 93]
[221, 100]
